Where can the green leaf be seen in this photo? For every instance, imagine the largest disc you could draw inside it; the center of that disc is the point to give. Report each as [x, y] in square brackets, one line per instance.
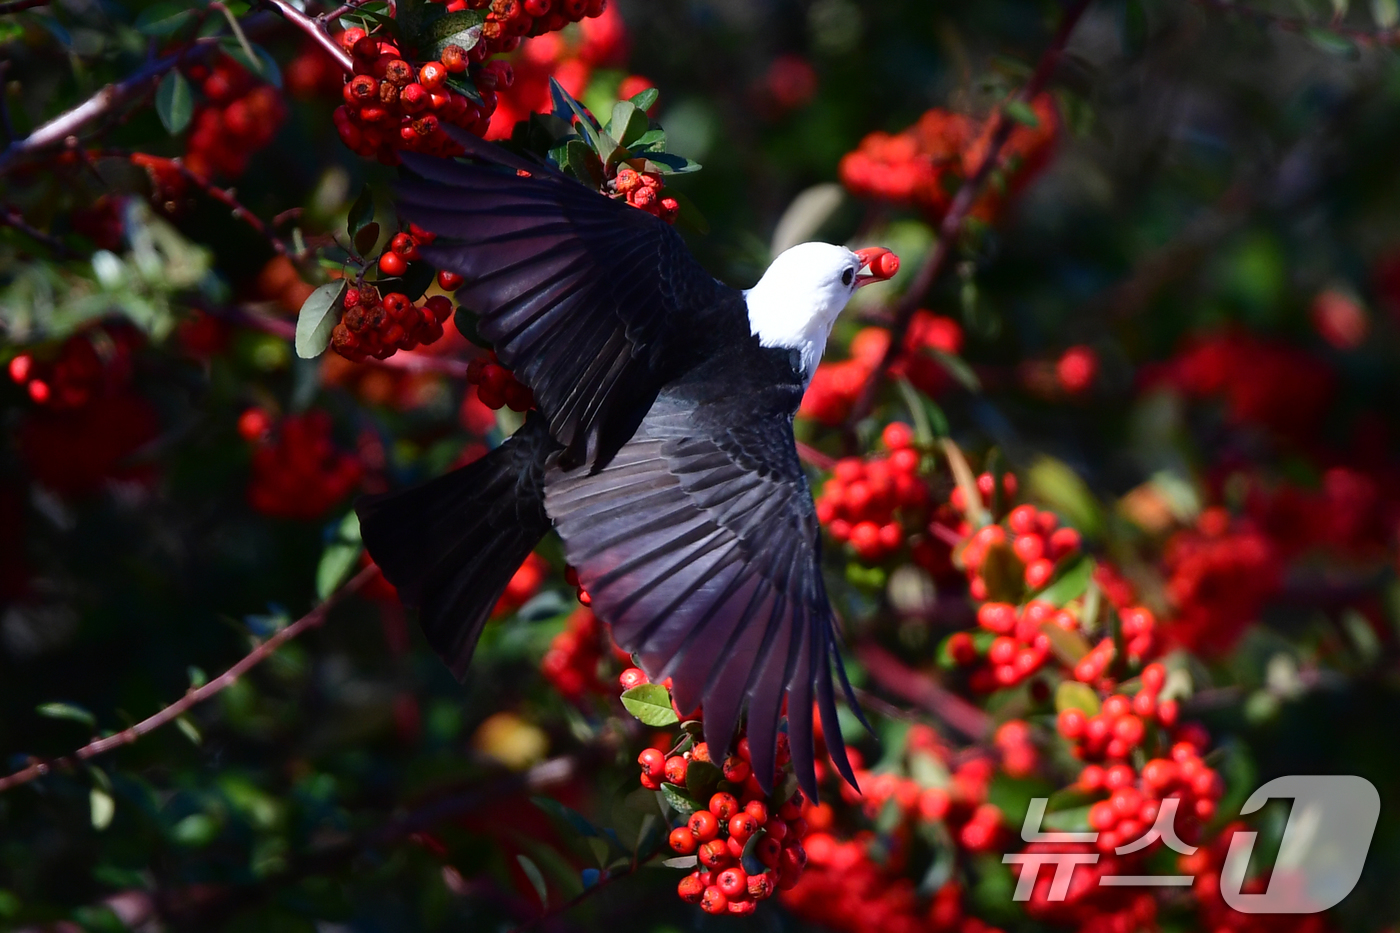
[361, 215]
[102, 808]
[1060, 488]
[366, 238]
[583, 163]
[532, 871]
[567, 816]
[1072, 820]
[686, 862]
[466, 326]
[462, 28]
[189, 730]
[648, 140]
[195, 830]
[1071, 585]
[749, 858]
[67, 711]
[163, 19]
[564, 105]
[417, 279]
[1069, 647]
[628, 123]
[464, 86]
[1330, 42]
[679, 800]
[957, 368]
[651, 704]
[339, 557]
[1071, 694]
[783, 792]
[174, 102]
[644, 100]
[929, 421]
[667, 163]
[261, 63]
[318, 316]
[702, 779]
[1021, 112]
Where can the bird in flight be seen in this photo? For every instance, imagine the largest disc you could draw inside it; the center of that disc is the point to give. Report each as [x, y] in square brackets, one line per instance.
[661, 450]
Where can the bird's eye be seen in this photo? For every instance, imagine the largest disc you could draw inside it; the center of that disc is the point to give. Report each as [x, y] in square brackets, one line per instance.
[848, 276]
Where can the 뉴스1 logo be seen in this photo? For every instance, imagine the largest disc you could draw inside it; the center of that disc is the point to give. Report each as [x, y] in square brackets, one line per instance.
[1319, 860]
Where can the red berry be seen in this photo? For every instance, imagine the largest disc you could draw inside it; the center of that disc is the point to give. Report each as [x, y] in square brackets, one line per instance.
[683, 841]
[39, 391]
[1154, 676]
[449, 281]
[20, 367]
[760, 886]
[254, 424]
[691, 889]
[733, 882]
[633, 676]
[713, 901]
[714, 854]
[1038, 573]
[704, 825]
[1071, 723]
[897, 435]
[736, 770]
[653, 762]
[724, 805]
[391, 263]
[741, 826]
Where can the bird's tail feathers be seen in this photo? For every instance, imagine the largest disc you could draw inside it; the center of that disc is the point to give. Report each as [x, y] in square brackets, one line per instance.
[452, 544]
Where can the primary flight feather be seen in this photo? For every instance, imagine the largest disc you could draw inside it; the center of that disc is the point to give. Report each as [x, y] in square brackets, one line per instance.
[661, 452]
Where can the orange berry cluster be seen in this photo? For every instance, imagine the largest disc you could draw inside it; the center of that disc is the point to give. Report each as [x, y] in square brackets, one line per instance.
[571, 663]
[497, 387]
[645, 190]
[924, 165]
[1019, 649]
[1122, 722]
[864, 500]
[1136, 796]
[89, 364]
[238, 117]
[389, 105]
[371, 326]
[297, 471]
[509, 21]
[835, 386]
[1034, 540]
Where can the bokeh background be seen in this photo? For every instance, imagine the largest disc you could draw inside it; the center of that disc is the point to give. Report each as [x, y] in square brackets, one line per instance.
[1174, 317]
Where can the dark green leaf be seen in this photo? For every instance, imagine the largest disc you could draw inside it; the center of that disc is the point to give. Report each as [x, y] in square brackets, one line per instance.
[318, 317]
[629, 123]
[566, 816]
[1073, 581]
[466, 326]
[462, 28]
[583, 163]
[366, 238]
[465, 86]
[1073, 820]
[174, 102]
[749, 858]
[651, 704]
[957, 368]
[261, 64]
[1071, 694]
[565, 106]
[702, 778]
[532, 872]
[645, 100]
[1021, 112]
[67, 711]
[1060, 488]
[417, 279]
[1069, 647]
[163, 19]
[679, 800]
[361, 212]
[648, 140]
[668, 163]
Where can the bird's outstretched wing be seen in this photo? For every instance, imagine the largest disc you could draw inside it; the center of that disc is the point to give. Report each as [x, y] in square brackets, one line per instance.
[583, 297]
[699, 544]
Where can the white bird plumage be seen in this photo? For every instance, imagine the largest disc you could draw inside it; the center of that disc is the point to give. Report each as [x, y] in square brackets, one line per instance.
[796, 302]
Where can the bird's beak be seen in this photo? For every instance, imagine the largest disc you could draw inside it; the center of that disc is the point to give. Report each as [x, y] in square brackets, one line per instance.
[877, 264]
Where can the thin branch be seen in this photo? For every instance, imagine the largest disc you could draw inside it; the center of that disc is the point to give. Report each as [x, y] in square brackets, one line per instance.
[911, 685]
[15, 6]
[963, 202]
[316, 29]
[224, 196]
[1358, 34]
[193, 696]
[816, 458]
[583, 895]
[12, 218]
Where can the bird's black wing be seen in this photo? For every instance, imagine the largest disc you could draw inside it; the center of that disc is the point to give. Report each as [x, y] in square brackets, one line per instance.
[586, 299]
[698, 544]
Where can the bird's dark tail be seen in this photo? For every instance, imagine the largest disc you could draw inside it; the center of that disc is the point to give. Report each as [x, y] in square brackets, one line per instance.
[451, 545]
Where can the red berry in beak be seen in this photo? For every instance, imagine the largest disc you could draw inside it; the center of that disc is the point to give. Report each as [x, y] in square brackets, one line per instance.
[878, 264]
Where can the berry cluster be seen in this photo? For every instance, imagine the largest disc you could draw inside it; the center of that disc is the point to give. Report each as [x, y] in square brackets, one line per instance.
[1032, 537]
[371, 326]
[497, 386]
[89, 364]
[571, 663]
[1122, 723]
[509, 21]
[924, 165]
[747, 844]
[644, 190]
[297, 471]
[1218, 576]
[865, 499]
[390, 105]
[238, 117]
[835, 386]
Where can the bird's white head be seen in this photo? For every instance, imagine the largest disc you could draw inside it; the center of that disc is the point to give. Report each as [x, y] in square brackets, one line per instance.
[796, 302]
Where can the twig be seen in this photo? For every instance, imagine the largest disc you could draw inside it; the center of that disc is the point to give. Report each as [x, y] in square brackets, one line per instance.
[1382, 37]
[12, 218]
[809, 454]
[907, 683]
[193, 696]
[583, 895]
[963, 202]
[316, 29]
[15, 6]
